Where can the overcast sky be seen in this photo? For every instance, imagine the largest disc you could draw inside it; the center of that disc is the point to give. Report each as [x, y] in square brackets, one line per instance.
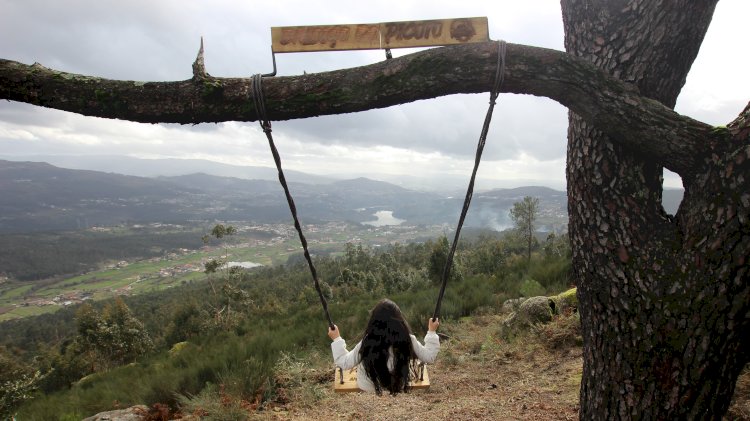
[158, 41]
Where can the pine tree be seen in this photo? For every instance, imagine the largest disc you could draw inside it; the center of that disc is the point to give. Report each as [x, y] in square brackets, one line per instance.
[524, 215]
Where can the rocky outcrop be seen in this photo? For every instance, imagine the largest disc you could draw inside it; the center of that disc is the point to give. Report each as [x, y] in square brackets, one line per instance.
[566, 302]
[138, 413]
[531, 311]
[511, 306]
[536, 310]
[134, 413]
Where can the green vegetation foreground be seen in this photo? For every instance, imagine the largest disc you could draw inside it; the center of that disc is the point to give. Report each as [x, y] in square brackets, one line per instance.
[222, 340]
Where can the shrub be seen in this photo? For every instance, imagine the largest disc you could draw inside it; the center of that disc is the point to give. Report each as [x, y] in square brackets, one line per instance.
[531, 288]
[213, 404]
[552, 273]
[296, 380]
[17, 383]
[13, 392]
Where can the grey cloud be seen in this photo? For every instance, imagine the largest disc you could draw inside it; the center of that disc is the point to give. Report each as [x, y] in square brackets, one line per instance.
[452, 125]
[26, 114]
[158, 40]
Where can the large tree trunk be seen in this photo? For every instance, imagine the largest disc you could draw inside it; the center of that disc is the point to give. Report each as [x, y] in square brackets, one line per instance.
[663, 306]
[664, 300]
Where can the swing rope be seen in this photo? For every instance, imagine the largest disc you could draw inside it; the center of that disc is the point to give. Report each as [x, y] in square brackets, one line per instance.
[499, 76]
[265, 124]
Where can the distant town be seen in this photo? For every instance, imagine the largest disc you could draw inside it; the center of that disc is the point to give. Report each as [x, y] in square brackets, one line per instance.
[254, 245]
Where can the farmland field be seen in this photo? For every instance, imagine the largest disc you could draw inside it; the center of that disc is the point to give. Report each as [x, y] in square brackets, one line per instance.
[20, 299]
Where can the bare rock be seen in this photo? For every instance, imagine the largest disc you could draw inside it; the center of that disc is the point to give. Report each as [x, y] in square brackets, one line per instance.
[530, 312]
[511, 305]
[536, 310]
[134, 413]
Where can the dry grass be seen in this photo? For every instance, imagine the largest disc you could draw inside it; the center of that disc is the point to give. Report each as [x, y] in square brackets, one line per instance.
[477, 377]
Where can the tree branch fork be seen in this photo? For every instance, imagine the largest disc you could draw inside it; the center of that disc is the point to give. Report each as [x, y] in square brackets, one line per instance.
[675, 141]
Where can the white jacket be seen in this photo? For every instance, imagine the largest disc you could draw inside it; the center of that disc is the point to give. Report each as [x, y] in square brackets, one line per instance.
[426, 353]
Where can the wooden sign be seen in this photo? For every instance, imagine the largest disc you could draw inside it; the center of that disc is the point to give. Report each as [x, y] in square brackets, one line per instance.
[373, 36]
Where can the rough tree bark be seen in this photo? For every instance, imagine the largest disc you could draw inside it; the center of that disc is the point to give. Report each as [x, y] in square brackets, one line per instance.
[664, 300]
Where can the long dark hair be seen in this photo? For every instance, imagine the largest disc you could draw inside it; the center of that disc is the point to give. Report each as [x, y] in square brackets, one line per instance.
[387, 329]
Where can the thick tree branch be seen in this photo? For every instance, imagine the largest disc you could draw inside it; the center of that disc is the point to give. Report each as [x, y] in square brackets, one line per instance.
[615, 107]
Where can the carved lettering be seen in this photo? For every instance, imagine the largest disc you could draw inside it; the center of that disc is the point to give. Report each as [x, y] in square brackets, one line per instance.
[418, 33]
[390, 31]
[425, 29]
[288, 35]
[367, 33]
[314, 35]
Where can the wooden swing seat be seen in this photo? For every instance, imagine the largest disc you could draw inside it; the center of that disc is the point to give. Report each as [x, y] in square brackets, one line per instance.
[350, 380]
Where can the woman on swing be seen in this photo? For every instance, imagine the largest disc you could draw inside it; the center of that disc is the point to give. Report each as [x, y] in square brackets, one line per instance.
[388, 350]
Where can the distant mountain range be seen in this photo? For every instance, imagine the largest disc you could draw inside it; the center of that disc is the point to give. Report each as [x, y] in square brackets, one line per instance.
[175, 167]
[165, 167]
[36, 196]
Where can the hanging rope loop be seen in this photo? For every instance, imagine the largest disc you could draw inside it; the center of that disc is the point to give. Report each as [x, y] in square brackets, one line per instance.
[499, 76]
[260, 103]
[265, 124]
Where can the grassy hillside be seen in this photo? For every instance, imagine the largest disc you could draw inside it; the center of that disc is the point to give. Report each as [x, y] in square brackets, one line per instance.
[265, 354]
[224, 339]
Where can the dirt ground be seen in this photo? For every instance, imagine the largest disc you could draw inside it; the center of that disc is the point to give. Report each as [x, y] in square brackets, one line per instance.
[477, 377]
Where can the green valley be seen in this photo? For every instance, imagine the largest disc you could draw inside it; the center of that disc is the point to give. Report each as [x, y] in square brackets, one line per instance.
[266, 244]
